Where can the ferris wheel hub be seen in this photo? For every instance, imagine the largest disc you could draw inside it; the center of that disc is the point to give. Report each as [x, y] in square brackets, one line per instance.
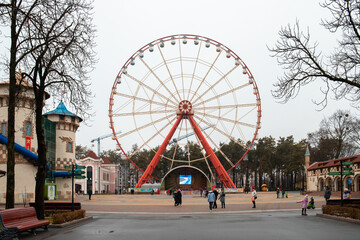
[185, 108]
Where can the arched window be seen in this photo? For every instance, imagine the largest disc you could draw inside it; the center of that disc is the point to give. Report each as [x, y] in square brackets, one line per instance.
[28, 129]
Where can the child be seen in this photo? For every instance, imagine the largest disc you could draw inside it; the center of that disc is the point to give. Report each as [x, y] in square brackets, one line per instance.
[311, 204]
[304, 202]
[286, 194]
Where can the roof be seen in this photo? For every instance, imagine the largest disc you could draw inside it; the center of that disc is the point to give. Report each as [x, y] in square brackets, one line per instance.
[23, 81]
[106, 160]
[334, 162]
[92, 155]
[62, 110]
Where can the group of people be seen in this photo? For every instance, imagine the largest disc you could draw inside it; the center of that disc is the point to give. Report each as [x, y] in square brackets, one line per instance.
[213, 196]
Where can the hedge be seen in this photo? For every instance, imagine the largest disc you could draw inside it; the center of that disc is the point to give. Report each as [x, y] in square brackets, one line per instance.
[350, 211]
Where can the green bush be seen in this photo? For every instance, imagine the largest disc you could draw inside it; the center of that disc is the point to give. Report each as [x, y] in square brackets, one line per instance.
[67, 216]
[350, 211]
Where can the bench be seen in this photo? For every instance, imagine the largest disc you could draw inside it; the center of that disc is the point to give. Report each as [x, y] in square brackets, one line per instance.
[17, 220]
[59, 205]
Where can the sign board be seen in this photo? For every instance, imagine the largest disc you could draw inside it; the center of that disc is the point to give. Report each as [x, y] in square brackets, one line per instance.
[132, 167]
[51, 192]
[348, 163]
[28, 143]
[334, 173]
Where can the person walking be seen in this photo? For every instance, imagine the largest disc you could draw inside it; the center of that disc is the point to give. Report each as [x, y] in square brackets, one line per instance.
[90, 193]
[216, 195]
[277, 192]
[304, 203]
[201, 192]
[222, 198]
[327, 194]
[253, 197]
[211, 199]
[282, 193]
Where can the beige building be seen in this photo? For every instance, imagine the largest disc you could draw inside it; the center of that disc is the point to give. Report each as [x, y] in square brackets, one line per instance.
[321, 174]
[65, 125]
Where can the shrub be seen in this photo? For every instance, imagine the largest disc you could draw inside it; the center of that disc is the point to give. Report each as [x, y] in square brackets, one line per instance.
[351, 211]
[67, 216]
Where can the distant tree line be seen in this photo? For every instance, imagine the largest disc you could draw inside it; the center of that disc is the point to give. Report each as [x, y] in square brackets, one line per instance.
[279, 162]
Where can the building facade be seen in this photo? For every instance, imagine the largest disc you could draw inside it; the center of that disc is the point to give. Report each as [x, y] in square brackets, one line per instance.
[101, 176]
[325, 174]
[60, 127]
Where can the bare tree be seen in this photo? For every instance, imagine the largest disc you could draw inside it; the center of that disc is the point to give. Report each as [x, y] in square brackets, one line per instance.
[14, 14]
[60, 38]
[304, 63]
[337, 137]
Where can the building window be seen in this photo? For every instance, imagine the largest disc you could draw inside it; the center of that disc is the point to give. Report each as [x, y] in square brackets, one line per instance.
[3, 129]
[73, 119]
[69, 147]
[28, 129]
[62, 117]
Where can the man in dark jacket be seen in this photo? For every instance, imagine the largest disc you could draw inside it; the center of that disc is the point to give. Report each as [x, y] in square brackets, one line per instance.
[327, 194]
[216, 195]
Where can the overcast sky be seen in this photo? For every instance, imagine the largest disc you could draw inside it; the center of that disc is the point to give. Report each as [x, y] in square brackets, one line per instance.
[246, 27]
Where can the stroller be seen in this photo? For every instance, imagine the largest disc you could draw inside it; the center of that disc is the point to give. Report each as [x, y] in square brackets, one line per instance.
[311, 204]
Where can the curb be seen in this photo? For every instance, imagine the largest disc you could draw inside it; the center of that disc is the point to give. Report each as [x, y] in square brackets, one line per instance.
[338, 218]
[76, 221]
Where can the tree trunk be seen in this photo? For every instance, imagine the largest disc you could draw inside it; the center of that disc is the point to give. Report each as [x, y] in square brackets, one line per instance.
[10, 174]
[41, 173]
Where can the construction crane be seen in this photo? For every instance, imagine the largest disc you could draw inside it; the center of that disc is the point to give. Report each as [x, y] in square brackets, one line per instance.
[103, 137]
[175, 140]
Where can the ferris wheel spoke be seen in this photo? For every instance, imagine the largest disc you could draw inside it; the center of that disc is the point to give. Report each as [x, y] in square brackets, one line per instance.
[212, 65]
[167, 99]
[167, 67]
[193, 74]
[222, 132]
[221, 94]
[206, 160]
[216, 83]
[141, 113]
[182, 72]
[219, 149]
[161, 82]
[187, 142]
[157, 133]
[144, 126]
[226, 119]
[176, 146]
[225, 106]
[143, 100]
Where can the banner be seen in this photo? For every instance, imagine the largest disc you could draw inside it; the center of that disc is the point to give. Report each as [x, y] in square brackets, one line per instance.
[28, 143]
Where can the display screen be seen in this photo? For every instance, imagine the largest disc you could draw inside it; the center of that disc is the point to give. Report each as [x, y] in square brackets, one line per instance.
[185, 179]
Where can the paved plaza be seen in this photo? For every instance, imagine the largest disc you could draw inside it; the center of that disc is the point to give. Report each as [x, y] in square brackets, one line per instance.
[153, 217]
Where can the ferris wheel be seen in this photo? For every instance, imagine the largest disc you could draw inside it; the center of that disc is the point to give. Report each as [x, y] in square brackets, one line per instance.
[181, 90]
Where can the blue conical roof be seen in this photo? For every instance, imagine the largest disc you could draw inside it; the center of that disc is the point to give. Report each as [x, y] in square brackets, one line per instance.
[62, 110]
[307, 153]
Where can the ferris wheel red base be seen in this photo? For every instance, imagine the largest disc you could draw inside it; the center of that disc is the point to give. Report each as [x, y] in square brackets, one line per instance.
[186, 113]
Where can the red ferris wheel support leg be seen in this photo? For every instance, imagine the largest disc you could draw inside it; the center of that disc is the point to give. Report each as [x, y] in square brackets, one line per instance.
[224, 177]
[150, 169]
